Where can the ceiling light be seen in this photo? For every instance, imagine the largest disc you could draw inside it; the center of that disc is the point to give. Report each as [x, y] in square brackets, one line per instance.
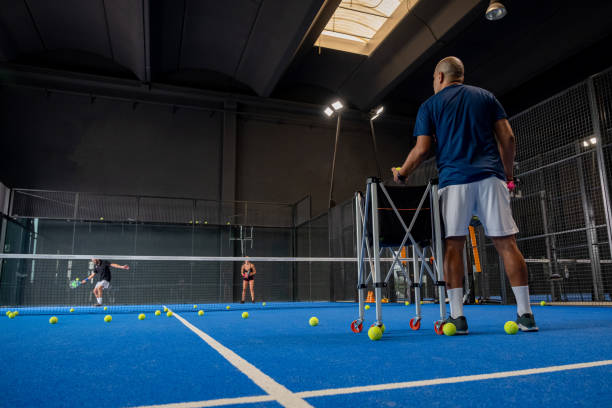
[585, 143]
[375, 116]
[380, 110]
[495, 11]
[337, 105]
[328, 111]
[593, 140]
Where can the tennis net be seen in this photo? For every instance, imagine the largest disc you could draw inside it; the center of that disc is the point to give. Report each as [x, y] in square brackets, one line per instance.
[41, 284]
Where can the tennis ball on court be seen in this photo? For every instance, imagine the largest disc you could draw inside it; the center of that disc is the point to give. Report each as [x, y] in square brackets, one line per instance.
[108, 318]
[382, 328]
[421, 302]
[313, 321]
[195, 306]
[11, 315]
[197, 221]
[201, 313]
[169, 314]
[101, 218]
[8, 312]
[205, 222]
[105, 308]
[16, 312]
[71, 310]
[245, 315]
[476, 301]
[53, 320]
[511, 327]
[367, 307]
[542, 303]
[227, 307]
[407, 303]
[263, 304]
[449, 329]
[157, 313]
[375, 333]
[141, 316]
[165, 309]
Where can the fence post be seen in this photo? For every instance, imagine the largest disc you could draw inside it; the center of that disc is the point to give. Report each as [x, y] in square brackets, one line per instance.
[603, 178]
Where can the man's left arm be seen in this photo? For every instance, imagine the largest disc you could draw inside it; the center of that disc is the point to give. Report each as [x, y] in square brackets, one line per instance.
[417, 155]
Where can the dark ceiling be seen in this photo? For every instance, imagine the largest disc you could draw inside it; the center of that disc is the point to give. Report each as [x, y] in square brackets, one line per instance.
[265, 47]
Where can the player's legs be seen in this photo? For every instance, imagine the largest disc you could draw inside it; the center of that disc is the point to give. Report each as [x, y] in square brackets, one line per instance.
[493, 209]
[244, 286]
[252, 287]
[453, 262]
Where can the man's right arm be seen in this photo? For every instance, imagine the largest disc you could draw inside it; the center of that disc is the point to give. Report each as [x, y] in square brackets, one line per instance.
[506, 144]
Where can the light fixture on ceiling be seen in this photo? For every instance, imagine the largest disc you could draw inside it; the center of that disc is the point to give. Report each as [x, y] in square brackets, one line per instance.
[337, 105]
[593, 140]
[328, 111]
[585, 144]
[375, 113]
[495, 11]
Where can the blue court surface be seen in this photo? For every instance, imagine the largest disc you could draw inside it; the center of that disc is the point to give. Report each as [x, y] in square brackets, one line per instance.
[275, 358]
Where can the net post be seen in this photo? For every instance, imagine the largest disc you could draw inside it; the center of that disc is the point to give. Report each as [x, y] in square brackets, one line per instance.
[373, 184]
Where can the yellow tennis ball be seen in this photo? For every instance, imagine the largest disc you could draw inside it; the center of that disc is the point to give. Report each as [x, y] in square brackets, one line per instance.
[421, 302]
[382, 327]
[449, 329]
[205, 222]
[71, 310]
[165, 309]
[157, 313]
[375, 333]
[141, 316]
[8, 312]
[398, 168]
[108, 318]
[407, 303]
[542, 303]
[245, 315]
[11, 315]
[195, 306]
[105, 308]
[313, 321]
[511, 327]
[16, 312]
[201, 313]
[263, 304]
[367, 307]
[53, 320]
[227, 307]
[169, 314]
[101, 218]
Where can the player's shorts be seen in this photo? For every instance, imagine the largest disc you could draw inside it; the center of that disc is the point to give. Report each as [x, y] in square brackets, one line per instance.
[104, 283]
[250, 278]
[489, 199]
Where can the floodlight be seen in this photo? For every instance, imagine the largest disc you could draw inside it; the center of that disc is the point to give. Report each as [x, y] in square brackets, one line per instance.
[585, 144]
[495, 11]
[328, 111]
[380, 110]
[375, 116]
[593, 140]
[337, 105]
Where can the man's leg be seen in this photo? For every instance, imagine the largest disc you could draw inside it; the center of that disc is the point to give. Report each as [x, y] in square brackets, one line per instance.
[516, 270]
[453, 273]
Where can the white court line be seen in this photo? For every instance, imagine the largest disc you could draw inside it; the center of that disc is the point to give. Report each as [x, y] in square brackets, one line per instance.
[276, 391]
[389, 386]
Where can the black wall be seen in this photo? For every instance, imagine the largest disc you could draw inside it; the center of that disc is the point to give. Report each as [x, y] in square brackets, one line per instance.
[55, 140]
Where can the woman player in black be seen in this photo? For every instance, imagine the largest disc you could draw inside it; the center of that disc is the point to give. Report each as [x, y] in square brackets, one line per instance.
[248, 275]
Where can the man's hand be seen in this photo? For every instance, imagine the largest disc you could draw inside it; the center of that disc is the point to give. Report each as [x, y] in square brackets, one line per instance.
[126, 267]
[397, 177]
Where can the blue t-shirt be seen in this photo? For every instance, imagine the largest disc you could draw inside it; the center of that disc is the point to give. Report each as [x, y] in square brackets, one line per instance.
[461, 118]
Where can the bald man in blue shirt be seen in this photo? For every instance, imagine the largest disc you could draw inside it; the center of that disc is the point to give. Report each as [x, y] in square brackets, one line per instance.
[475, 149]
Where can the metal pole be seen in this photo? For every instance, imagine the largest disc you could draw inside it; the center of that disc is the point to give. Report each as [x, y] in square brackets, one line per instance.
[373, 183]
[591, 232]
[360, 264]
[439, 253]
[375, 148]
[601, 165]
[549, 252]
[331, 181]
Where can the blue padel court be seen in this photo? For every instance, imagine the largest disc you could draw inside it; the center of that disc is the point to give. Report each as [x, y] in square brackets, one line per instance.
[275, 358]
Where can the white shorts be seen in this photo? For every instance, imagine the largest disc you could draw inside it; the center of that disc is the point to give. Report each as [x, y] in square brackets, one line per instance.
[489, 199]
[104, 283]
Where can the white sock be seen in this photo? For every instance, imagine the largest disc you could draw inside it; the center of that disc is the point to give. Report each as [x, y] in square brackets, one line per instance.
[99, 300]
[455, 297]
[521, 293]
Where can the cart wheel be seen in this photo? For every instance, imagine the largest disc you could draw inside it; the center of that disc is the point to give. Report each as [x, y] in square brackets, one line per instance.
[356, 326]
[415, 323]
[438, 325]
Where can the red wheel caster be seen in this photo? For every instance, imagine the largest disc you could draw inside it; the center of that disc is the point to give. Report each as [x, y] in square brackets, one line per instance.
[438, 327]
[356, 326]
[415, 323]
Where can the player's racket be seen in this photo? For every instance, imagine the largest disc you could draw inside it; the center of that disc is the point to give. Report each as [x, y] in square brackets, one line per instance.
[75, 283]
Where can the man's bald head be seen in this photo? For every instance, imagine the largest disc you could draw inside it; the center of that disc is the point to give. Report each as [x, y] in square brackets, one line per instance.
[451, 70]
